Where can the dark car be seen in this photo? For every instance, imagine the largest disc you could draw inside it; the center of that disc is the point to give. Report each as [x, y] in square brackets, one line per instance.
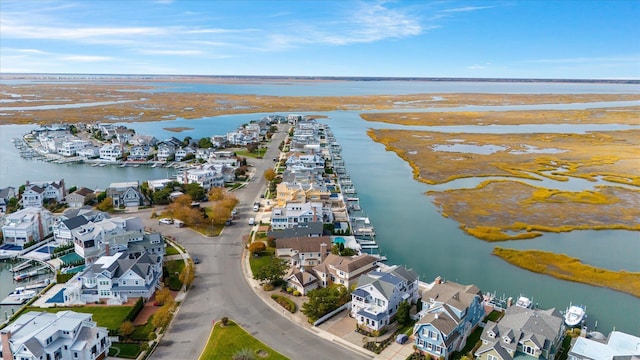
[402, 338]
[195, 260]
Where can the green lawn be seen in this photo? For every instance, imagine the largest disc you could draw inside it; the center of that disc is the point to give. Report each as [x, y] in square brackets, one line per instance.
[225, 341]
[170, 250]
[472, 340]
[125, 350]
[260, 261]
[108, 316]
[258, 154]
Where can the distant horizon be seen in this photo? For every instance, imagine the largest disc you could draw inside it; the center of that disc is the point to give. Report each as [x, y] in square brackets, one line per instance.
[320, 77]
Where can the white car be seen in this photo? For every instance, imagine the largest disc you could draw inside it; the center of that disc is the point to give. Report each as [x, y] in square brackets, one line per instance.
[165, 221]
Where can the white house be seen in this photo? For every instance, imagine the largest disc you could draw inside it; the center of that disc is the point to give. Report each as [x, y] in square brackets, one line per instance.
[79, 197]
[35, 193]
[27, 225]
[183, 152]
[54, 336]
[379, 293]
[139, 153]
[71, 147]
[295, 213]
[165, 151]
[344, 270]
[111, 152]
[619, 345]
[207, 178]
[89, 152]
[119, 277]
[303, 251]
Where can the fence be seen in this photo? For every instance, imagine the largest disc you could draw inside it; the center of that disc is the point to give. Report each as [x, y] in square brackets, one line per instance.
[330, 315]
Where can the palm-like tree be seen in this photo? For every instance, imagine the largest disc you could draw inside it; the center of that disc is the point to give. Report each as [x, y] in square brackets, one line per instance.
[244, 354]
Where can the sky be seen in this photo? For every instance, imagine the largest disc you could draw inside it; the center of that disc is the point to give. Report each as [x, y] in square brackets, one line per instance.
[561, 39]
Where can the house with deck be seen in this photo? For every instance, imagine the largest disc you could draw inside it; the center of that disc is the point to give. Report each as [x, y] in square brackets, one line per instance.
[54, 336]
[27, 225]
[344, 270]
[303, 251]
[618, 345]
[522, 332]
[125, 194]
[378, 295]
[80, 197]
[450, 312]
[111, 152]
[36, 193]
[297, 213]
[6, 195]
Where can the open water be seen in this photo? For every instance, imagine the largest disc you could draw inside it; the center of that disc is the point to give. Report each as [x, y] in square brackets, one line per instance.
[410, 229]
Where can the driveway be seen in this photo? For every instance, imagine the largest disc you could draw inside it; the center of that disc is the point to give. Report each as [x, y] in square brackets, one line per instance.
[221, 287]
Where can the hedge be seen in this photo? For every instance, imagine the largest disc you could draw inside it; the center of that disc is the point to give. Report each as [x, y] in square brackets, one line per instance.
[285, 302]
[135, 310]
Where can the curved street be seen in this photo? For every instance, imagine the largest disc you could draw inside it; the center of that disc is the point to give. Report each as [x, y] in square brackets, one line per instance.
[221, 288]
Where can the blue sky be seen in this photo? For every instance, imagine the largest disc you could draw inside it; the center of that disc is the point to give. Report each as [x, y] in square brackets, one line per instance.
[577, 39]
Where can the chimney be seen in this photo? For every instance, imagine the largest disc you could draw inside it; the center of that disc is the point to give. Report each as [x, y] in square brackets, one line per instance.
[438, 280]
[315, 218]
[64, 189]
[323, 251]
[7, 354]
[106, 249]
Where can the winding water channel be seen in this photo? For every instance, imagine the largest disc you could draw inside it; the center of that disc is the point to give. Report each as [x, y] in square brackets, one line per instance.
[409, 228]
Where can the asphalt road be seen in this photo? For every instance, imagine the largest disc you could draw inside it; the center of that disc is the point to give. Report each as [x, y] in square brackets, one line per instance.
[220, 288]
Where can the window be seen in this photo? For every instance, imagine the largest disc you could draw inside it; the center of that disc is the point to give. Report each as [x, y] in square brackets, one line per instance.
[491, 357]
[528, 349]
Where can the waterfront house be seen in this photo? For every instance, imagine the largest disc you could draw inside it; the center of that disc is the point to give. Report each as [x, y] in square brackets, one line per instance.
[62, 335]
[89, 152]
[90, 239]
[313, 228]
[618, 345]
[6, 195]
[122, 135]
[450, 313]
[116, 278]
[303, 251]
[27, 225]
[139, 153]
[302, 281]
[80, 197]
[378, 295]
[125, 194]
[72, 146]
[111, 152]
[165, 151]
[534, 333]
[207, 178]
[295, 213]
[36, 193]
[183, 152]
[344, 270]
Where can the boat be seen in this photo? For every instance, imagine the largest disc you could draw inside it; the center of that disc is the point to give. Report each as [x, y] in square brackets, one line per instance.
[21, 294]
[524, 302]
[575, 315]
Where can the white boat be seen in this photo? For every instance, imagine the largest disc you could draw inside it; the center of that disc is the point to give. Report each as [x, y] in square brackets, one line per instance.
[21, 294]
[524, 302]
[574, 315]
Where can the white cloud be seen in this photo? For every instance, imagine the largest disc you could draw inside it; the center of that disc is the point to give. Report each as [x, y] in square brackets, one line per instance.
[585, 60]
[170, 52]
[87, 58]
[465, 9]
[475, 67]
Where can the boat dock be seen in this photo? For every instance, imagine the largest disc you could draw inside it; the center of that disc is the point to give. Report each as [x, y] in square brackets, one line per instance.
[32, 273]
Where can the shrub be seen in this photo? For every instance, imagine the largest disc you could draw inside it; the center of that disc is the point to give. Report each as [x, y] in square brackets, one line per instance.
[257, 247]
[285, 302]
[268, 287]
[296, 293]
[224, 320]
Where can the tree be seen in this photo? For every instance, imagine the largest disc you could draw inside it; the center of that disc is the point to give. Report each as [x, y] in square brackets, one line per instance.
[216, 194]
[324, 300]
[269, 174]
[186, 141]
[72, 189]
[161, 318]
[195, 191]
[224, 320]
[402, 315]
[163, 296]
[252, 147]
[105, 205]
[257, 247]
[187, 275]
[126, 329]
[101, 196]
[205, 143]
[219, 214]
[272, 272]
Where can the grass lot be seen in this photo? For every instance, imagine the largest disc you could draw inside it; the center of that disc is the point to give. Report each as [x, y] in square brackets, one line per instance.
[258, 154]
[472, 340]
[260, 261]
[170, 250]
[108, 316]
[225, 341]
[174, 268]
[141, 333]
[125, 350]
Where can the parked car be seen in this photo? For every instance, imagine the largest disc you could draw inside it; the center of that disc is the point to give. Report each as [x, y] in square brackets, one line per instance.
[256, 207]
[165, 221]
[402, 338]
[252, 221]
[195, 259]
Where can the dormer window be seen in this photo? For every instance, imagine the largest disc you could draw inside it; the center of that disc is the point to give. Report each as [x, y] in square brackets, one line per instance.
[506, 339]
[491, 334]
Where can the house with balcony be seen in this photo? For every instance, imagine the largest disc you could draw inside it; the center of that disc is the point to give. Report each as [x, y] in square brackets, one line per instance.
[183, 152]
[118, 277]
[62, 229]
[72, 146]
[54, 336]
[27, 225]
[302, 281]
[378, 295]
[207, 178]
[140, 153]
[125, 194]
[296, 213]
[6, 195]
[89, 152]
[303, 251]
[165, 152]
[143, 140]
[450, 313]
[90, 239]
[111, 152]
[36, 193]
[123, 135]
[344, 270]
[522, 332]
